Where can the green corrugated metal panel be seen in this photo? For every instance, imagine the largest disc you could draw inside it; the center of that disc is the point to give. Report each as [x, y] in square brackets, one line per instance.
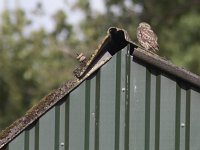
[194, 120]
[18, 143]
[126, 105]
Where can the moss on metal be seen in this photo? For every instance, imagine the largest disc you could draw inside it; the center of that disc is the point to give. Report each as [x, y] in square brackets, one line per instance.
[37, 111]
[110, 42]
[115, 40]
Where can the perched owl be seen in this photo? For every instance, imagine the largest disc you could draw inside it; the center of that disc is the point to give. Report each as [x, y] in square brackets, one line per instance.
[146, 37]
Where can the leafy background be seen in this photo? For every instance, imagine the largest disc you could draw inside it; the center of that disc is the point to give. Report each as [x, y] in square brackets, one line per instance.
[35, 61]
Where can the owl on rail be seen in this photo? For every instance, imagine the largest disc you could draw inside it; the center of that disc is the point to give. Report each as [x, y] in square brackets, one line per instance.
[146, 37]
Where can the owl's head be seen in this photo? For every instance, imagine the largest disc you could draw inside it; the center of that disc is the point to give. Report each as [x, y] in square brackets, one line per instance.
[144, 25]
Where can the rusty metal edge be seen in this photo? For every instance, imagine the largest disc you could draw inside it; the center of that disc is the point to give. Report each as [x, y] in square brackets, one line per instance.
[167, 66]
[33, 114]
[51, 99]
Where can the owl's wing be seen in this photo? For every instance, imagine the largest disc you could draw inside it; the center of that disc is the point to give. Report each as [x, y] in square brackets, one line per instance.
[151, 38]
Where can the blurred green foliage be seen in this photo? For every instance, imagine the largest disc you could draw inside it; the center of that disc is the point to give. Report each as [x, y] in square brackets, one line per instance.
[33, 64]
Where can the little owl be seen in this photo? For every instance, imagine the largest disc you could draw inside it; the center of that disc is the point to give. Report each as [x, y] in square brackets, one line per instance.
[146, 37]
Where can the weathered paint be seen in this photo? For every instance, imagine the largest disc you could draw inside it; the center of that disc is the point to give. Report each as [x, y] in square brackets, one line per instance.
[126, 105]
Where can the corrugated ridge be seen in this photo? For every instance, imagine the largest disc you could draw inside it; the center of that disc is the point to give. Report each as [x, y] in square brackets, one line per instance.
[166, 66]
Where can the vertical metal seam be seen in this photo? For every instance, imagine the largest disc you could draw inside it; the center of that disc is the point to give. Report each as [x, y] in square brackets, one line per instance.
[87, 114]
[7, 147]
[26, 140]
[157, 113]
[97, 109]
[67, 107]
[37, 128]
[187, 129]
[57, 127]
[147, 108]
[117, 99]
[127, 99]
[177, 119]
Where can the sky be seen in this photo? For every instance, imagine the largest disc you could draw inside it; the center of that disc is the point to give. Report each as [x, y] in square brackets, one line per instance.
[50, 7]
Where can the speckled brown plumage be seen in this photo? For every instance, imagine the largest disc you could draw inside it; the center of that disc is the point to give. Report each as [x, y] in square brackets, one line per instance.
[146, 37]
